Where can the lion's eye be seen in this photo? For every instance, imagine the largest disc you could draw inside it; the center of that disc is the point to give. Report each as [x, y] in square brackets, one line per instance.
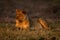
[23, 12]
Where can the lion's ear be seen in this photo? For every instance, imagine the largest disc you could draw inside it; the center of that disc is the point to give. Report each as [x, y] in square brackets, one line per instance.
[17, 10]
[24, 12]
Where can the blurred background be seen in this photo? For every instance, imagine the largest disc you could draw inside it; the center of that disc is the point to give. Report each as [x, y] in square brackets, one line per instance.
[48, 9]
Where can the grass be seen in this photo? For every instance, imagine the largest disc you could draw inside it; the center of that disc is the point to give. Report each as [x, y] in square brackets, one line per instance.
[54, 25]
[8, 31]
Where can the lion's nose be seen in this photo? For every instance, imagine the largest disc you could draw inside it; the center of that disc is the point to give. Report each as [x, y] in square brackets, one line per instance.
[20, 21]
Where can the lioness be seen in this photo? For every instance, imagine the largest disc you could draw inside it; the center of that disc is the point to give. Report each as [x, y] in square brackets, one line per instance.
[22, 21]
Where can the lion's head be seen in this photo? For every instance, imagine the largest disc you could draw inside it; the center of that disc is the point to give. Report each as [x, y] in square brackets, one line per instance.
[20, 15]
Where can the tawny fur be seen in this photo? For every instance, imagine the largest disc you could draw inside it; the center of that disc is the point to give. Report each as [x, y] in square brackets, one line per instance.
[21, 19]
[43, 23]
[23, 22]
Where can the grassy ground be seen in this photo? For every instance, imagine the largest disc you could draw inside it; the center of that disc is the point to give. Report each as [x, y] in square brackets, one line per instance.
[8, 31]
